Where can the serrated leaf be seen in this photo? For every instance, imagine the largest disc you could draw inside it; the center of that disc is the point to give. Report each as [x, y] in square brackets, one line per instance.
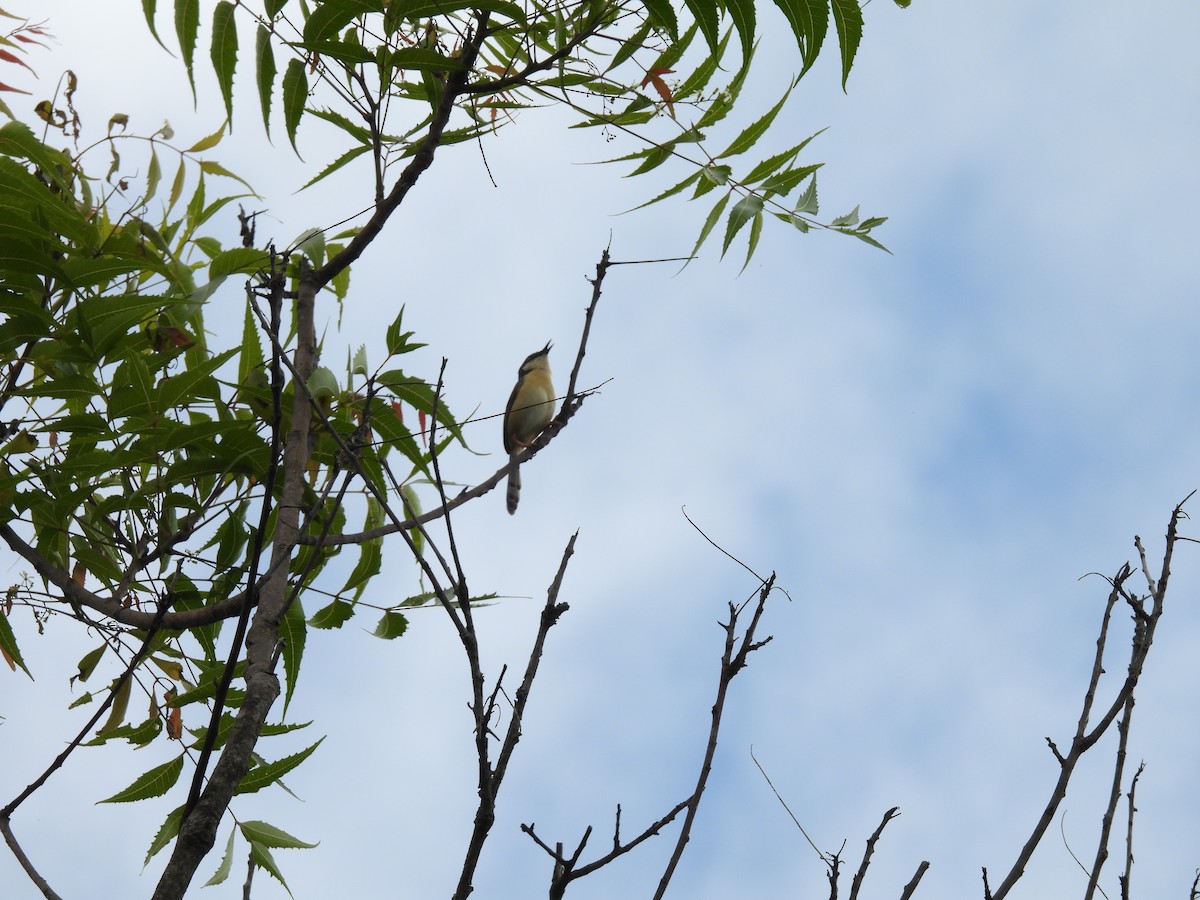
[752, 244]
[226, 865]
[263, 859]
[293, 631]
[808, 200]
[166, 833]
[742, 14]
[786, 182]
[264, 56]
[332, 616]
[392, 625]
[349, 156]
[295, 95]
[743, 211]
[252, 354]
[153, 176]
[270, 836]
[268, 773]
[328, 19]
[810, 22]
[749, 137]
[208, 142]
[711, 221]
[153, 783]
[630, 46]
[708, 16]
[120, 705]
[149, 10]
[8, 644]
[848, 17]
[865, 238]
[187, 24]
[851, 218]
[224, 51]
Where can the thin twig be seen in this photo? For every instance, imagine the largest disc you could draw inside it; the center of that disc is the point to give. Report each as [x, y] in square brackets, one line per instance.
[1127, 877]
[732, 662]
[785, 806]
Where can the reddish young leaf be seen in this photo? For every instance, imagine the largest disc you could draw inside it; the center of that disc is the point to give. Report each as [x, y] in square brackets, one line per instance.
[10, 57]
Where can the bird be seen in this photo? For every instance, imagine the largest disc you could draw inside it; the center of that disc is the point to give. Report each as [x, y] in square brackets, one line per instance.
[530, 409]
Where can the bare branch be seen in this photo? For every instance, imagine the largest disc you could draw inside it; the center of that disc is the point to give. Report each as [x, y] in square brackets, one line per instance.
[1127, 876]
[732, 662]
[1145, 624]
[856, 883]
[911, 887]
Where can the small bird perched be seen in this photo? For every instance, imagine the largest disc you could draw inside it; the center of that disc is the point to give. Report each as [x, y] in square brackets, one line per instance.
[530, 409]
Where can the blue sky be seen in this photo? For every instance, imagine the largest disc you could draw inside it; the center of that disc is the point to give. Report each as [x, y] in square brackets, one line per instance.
[930, 448]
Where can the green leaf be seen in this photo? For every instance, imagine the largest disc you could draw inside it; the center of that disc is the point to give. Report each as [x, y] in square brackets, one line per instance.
[742, 13]
[698, 80]
[181, 389]
[166, 832]
[263, 859]
[209, 141]
[153, 176]
[708, 17]
[661, 14]
[755, 233]
[810, 21]
[671, 191]
[87, 665]
[226, 866]
[267, 774]
[743, 211]
[851, 218]
[187, 23]
[270, 836]
[133, 389]
[848, 17]
[329, 18]
[713, 216]
[237, 260]
[630, 46]
[808, 200]
[772, 164]
[349, 156]
[293, 631]
[264, 56]
[224, 51]
[785, 182]
[120, 705]
[153, 783]
[252, 354]
[295, 95]
[392, 625]
[398, 339]
[423, 60]
[333, 615]
[8, 643]
[750, 136]
[148, 8]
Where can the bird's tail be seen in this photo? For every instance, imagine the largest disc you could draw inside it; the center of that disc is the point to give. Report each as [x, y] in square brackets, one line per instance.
[514, 487]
